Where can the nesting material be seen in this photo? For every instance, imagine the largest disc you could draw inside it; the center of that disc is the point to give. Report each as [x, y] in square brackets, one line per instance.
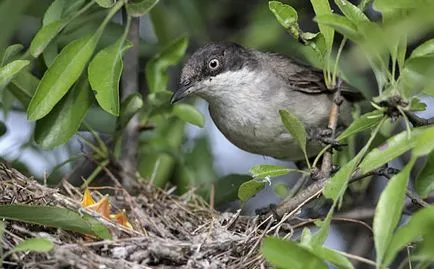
[169, 231]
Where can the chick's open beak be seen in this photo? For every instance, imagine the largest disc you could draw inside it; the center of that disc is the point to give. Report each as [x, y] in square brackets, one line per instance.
[181, 92]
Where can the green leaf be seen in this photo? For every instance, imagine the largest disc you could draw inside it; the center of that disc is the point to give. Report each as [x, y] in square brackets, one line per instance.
[3, 130]
[226, 188]
[37, 244]
[10, 70]
[61, 75]
[367, 121]
[420, 140]
[50, 53]
[336, 186]
[285, 14]
[129, 107]
[425, 251]
[72, 6]
[385, 6]
[322, 7]
[389, 209]
[296, 128]
[12, 13]
[22, 86]
[104, 73]
[420, 224]
[64, 120]
[425, 49]
[45, 35]
[268, 170]
[137, 8]
[317, 42]
[401, 48]
[54, 12]
[106, 3]
[2, 229]
[158, 103]
[281, 190]
[416, 75]
[156, 68]
[55, 217]
[429, 90]
[287, 254]
[249, 189]
[352, 12]
[332, 256]
[189, 114]
[306, 237]
[416, 105]
[424, 143]
[10, 53]
[341, 24]
[424, 182]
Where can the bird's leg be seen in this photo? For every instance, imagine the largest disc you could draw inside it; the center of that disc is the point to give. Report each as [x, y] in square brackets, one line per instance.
[325, 136]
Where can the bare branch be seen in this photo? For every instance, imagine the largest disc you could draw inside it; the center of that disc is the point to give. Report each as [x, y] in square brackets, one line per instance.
[130, 84]
[418, 121]
[326, 165]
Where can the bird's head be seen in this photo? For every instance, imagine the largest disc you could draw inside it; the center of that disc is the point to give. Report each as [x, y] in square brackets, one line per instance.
[212, 69]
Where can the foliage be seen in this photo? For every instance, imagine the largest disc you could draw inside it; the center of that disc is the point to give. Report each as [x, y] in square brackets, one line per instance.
[55, 217]
[78, 66]
[36, 244]
[68, 82]
[402, 78]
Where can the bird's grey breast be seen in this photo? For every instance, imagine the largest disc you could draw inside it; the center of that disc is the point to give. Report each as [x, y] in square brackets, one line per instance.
[247, 114]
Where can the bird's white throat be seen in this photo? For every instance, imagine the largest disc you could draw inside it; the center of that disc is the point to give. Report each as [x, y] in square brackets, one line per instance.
[233, 88]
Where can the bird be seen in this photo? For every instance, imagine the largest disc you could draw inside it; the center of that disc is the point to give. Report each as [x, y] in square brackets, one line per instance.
[245, 88]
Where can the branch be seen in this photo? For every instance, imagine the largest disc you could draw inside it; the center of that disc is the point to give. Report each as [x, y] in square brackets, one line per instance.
[326, 166]
[415, 199]
[418, 121]
[130, 85]
[393, 104]
[317, 187]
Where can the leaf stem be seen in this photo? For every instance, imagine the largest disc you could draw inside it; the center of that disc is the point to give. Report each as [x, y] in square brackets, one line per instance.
[338, 55]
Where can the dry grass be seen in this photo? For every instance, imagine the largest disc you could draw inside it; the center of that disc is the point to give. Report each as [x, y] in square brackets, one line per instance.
[170, 231]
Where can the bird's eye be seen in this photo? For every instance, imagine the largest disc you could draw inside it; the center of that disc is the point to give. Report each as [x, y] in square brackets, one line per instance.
[213, 64]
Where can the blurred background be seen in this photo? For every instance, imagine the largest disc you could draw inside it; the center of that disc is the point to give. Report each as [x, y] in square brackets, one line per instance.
[204, 154]
[175, 154]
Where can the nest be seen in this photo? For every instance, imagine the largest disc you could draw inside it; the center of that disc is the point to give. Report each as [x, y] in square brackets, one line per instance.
[169, 231]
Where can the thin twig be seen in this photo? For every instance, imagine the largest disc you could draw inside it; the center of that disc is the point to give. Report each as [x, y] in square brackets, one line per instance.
[301, 198]
[316, 189]
[418, 121]
[358, 258]
[326, 166]
[415, 199]
[130, 85]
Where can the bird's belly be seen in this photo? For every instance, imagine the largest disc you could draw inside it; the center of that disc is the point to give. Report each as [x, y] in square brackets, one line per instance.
[260, 134]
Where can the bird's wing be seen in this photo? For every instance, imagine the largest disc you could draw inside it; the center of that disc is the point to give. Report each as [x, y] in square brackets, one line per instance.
[307, 79]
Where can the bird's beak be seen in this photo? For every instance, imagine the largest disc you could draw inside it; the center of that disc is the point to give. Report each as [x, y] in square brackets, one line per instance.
[181, 92]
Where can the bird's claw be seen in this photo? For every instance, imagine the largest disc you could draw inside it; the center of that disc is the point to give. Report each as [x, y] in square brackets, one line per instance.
[325, 137]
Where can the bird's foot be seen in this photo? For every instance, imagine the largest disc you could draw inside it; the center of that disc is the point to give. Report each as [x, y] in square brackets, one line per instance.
[325, 136]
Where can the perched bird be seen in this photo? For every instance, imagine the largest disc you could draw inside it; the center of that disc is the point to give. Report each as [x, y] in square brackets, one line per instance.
[246, 88]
